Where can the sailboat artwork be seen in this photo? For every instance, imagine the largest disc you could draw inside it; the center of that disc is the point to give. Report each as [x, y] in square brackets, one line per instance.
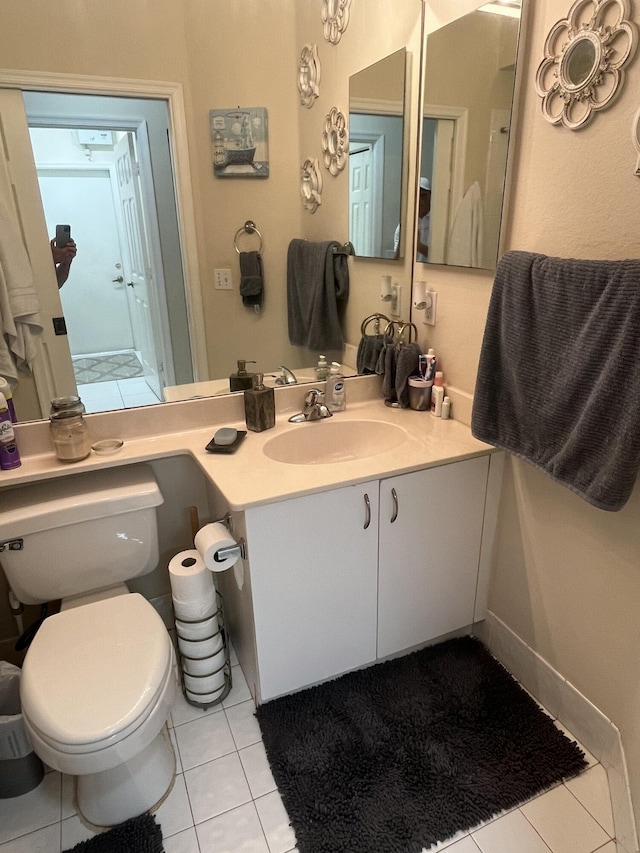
[239, 141]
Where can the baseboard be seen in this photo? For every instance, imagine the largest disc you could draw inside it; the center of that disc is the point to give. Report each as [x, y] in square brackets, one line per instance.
[574, 711]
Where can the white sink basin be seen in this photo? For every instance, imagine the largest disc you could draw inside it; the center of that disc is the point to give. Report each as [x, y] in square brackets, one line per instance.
[333, 440]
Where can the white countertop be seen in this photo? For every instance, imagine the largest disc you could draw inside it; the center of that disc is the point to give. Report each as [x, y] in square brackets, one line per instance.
[248, 477]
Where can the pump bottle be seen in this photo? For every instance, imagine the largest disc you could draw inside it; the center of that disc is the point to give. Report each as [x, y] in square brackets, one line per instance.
[335, 394]
[437, 394]
[242, 379]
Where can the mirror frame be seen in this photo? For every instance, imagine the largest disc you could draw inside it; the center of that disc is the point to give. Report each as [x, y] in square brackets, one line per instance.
[574, 103]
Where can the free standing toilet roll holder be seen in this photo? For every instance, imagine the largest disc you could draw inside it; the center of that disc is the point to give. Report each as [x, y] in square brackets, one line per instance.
[222, 554]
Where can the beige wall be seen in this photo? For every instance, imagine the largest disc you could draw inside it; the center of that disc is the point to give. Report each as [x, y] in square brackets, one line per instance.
[566, 576]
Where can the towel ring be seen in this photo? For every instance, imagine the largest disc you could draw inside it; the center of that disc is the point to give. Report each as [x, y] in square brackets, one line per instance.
[249, 227]
[371, 318]
[410, 326]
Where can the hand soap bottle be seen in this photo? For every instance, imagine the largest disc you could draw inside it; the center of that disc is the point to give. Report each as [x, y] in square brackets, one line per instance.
[322, 370]
[335, 394]
[242, 379]
[260, 406]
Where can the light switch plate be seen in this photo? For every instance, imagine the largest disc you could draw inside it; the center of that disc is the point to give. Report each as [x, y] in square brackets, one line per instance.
[222, 280]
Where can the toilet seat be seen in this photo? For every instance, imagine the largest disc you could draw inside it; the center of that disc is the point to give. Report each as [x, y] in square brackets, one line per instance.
[94, 674]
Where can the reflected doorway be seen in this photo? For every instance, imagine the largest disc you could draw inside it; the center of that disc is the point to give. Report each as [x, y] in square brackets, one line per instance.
[125, 311]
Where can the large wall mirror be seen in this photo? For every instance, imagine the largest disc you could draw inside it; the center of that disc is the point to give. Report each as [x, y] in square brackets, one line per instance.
[465, 134]
[77, 146]
[376, 132]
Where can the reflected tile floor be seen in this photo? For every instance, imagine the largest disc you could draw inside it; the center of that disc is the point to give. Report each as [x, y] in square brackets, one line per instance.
[224, 800]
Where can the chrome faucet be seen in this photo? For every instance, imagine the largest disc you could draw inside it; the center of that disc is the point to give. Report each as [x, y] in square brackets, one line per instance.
[313, 409]
[288, 376]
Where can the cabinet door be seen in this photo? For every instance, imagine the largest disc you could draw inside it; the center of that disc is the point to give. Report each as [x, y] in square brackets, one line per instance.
[428, 562]
[313, 567]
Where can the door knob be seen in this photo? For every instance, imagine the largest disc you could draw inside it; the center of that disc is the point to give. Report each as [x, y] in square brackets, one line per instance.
[129, 284]
[119, 279]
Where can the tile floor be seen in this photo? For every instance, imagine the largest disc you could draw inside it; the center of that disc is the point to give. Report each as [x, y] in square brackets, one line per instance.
[117, 394]
[224, 800]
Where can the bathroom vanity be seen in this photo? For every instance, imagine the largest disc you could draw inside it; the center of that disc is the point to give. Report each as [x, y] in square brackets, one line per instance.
[366, 535]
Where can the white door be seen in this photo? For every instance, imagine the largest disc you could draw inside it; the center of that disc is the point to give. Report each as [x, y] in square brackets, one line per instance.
[361, 199]
[441, 190]
[137, 266]
[94, 301]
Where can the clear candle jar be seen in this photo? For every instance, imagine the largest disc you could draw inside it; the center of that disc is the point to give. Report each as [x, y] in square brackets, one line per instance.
[71, 405]
[70, 436]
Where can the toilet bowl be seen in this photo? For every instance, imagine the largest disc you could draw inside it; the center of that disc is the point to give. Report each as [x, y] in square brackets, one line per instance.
[99, 678]
[97, 688]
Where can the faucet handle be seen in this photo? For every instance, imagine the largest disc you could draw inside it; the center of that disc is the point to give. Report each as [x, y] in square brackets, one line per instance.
[313, 397]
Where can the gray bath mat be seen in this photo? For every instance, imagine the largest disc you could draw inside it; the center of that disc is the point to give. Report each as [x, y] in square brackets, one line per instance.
[401, 755]
[106, 368]
[138, 835]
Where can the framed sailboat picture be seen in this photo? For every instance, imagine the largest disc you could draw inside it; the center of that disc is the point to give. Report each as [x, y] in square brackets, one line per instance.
[239, 142]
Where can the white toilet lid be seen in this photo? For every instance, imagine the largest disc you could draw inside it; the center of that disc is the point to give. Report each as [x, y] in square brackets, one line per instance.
[91, 671]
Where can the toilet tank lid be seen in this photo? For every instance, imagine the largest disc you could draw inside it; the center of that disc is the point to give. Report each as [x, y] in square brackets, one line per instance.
[78, 497]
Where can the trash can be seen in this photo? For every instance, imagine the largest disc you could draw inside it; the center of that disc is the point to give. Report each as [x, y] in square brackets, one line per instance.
[20, 768]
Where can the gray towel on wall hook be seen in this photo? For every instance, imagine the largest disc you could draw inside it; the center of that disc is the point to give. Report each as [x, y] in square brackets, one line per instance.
[251, 280]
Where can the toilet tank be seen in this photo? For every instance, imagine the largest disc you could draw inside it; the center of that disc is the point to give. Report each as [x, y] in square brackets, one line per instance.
[79, 533]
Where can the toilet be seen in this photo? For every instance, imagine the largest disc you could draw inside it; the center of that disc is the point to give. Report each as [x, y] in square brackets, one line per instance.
[99, 678]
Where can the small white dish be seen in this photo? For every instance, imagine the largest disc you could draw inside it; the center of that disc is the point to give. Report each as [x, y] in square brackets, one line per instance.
[107, 446]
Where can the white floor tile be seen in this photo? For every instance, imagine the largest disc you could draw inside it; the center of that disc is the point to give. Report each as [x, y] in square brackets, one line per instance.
[174, 814]
[104, 404]
[509, 833]
[216, 787]
[136, 385]
[132, 401]
[465, 845]
[73, 832]
[238, 831]
[183, 712]
[183, 842]
[256, 766]
[34, 810]
[98, 390]
[45, 840]
[243, 723]
[275, 822]
[564, 824]
[592, 789]
[240, 691]
[204, 740]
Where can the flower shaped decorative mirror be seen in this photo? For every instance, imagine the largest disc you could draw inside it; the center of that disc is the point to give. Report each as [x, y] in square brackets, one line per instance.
[335, 141]
[335, 17]
[584, 55]
[309, 75]
[311, 185]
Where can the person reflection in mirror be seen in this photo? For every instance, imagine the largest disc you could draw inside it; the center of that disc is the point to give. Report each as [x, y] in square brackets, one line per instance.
[424, 224]
[62, 260]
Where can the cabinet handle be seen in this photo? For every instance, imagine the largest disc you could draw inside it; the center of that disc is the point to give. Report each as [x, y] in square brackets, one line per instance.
[394, 514]
[367, 516]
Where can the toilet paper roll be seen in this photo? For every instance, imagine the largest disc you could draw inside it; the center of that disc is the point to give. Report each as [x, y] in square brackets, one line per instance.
[209, 540]
[192, 587]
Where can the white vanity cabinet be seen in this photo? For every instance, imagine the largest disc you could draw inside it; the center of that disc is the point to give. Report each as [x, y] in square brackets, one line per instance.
[430, 536]
[313, 583]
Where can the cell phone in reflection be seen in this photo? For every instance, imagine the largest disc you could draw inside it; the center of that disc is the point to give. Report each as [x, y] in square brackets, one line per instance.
[63, 235]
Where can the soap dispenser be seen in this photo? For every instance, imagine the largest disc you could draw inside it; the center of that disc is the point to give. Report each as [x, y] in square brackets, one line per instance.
[322, 370]
[335, 396]
[260, 406]
[242, 379]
